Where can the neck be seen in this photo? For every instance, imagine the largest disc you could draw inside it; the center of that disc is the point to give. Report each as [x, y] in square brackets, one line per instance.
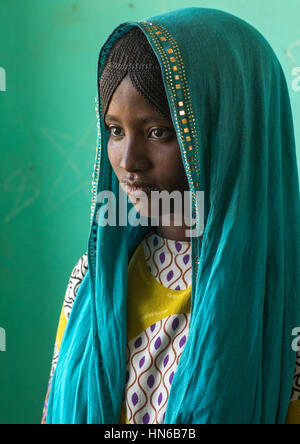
[172, 231]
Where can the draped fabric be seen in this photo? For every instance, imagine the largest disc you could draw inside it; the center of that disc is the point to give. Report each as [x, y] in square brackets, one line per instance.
[231, 111]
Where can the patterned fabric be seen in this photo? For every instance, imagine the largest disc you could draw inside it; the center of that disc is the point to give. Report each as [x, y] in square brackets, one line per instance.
[156, 337]
[296, 386]
[169, 261]
[293, 415]
[153, 354]
[77, 275]
[152, 360]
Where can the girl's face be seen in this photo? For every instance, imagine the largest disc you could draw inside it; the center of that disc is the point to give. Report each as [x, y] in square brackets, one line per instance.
[142, 147]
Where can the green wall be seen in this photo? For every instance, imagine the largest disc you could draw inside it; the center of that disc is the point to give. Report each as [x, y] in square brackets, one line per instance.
[48, 130]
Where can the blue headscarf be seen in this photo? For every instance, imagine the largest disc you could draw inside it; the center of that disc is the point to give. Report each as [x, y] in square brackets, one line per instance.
[226, 88]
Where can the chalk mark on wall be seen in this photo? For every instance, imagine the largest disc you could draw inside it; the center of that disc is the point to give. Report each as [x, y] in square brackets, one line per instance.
[25, 193]
[17, 182]
[54, 138]
[289, 51]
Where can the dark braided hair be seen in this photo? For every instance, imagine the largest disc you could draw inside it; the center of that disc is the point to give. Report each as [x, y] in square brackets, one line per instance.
[133, 55]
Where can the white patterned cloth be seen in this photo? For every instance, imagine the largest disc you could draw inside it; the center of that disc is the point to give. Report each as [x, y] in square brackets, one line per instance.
[169, 261]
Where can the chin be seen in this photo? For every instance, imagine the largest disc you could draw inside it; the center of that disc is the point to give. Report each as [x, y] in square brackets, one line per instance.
[142, 208]
[156, 219]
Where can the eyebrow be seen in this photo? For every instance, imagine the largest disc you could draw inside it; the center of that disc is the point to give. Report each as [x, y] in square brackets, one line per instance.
[145, 119]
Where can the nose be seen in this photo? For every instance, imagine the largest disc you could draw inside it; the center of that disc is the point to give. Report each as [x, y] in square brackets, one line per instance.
[134, 155]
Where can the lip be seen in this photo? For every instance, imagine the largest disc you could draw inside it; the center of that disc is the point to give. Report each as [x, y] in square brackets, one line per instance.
[138, 188]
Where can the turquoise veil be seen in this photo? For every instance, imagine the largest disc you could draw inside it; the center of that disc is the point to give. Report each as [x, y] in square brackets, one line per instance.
[231, 110]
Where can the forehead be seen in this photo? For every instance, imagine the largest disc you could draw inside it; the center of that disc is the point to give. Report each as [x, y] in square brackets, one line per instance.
[127, 101]
[127, 95]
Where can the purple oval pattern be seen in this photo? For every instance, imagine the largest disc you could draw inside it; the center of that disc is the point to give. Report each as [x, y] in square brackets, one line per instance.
[170, 275]
[138, 342]
[168, 338]
[157, 343]
[162, 257]
[178, 246]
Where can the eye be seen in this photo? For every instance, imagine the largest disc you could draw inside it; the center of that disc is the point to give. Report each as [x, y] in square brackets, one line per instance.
[161, 133]
[155, 133]
[115, 131]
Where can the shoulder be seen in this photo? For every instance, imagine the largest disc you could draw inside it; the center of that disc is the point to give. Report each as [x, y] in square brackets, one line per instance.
[76, 277]
[78, 273]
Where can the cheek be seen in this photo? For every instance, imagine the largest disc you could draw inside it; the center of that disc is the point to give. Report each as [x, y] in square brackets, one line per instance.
[113, 157]
[171, 169]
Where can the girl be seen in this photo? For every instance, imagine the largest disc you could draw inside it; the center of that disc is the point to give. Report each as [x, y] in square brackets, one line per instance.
[162, 324]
